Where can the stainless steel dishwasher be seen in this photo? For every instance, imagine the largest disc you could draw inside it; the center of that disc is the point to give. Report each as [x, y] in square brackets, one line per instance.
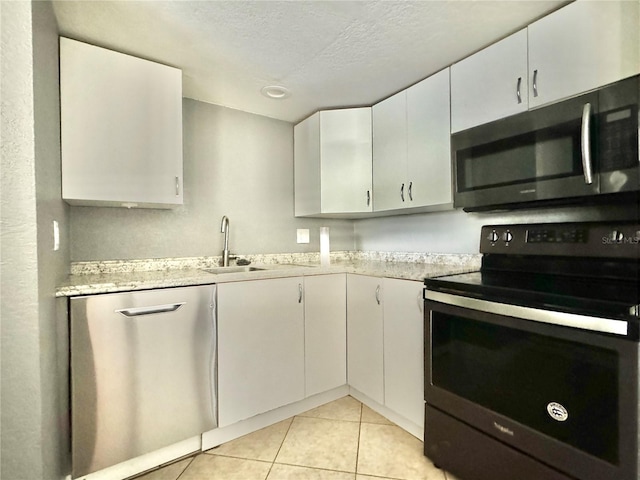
[142, 373]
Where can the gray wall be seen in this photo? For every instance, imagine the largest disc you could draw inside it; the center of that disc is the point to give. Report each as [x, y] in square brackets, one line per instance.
[459, 232]
[53, 266]
[33, 394]
[235, 164]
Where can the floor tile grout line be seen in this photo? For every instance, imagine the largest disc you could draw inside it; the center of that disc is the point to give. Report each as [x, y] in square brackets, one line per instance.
[359, 435]
[314, 468]
[185, 468]
[280, 447]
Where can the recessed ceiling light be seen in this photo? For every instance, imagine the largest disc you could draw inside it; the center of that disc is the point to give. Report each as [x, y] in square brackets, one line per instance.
[276, 91]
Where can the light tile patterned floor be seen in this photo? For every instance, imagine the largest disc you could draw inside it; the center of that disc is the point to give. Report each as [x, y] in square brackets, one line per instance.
[342, 440]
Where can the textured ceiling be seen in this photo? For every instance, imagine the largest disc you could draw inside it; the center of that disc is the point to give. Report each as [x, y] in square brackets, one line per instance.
[327, 53]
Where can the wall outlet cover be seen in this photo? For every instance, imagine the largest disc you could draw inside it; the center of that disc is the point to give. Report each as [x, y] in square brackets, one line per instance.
[56, 236]
[303, 235]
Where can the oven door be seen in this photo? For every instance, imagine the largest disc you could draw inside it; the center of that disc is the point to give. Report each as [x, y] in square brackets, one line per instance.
[565, 396]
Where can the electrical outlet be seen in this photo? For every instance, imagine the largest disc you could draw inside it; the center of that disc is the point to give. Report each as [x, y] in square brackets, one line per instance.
[303, 235]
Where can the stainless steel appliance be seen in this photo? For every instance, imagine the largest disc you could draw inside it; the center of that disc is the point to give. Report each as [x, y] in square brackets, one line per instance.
[531, 364]
[586, 146]
[142, 373]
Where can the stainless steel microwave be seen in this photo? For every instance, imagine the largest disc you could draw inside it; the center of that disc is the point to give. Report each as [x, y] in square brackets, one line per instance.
[586, 146]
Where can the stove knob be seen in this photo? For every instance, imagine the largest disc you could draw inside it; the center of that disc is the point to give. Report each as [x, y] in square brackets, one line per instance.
[617, 236]
[493, 236]
[507, 236]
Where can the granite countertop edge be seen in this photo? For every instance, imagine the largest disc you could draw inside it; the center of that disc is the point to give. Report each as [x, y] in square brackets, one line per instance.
[89, 278]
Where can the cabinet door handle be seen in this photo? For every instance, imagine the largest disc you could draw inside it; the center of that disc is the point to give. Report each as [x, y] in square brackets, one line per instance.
[378, 294]
[299, 293]
[368, 198]
[535, 83]
[410, 189]
[402, 192]
[518, 90]
[585, 138]
[177, 186]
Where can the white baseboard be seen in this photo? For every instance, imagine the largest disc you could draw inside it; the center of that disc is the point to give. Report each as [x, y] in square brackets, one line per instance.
[413, 428]
[148, 461]
[218, 436]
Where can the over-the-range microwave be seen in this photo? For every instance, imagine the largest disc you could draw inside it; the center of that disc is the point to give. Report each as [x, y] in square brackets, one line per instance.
[586, 146]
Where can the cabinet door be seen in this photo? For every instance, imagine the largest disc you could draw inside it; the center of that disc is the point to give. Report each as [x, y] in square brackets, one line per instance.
[582, 46]
[325, 334]
[306, 157]
[345, 153]
[484, 86]
[260, 347]
[364, 336]
[429, 142]
[403, 349]
[121, 128]
[390, 152]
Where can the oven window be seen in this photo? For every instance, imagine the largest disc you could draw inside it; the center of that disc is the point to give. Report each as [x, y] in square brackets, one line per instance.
[523, 375]
[541, 155]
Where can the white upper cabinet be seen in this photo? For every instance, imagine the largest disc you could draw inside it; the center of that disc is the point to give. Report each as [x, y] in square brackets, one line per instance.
[332, 163]
[390, 151]
[429, 143]
[582, 46]
[411, 147]
[490, 84]
[121, 129]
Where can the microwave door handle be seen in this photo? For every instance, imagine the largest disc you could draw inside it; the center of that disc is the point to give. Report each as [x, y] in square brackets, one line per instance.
[586, 144]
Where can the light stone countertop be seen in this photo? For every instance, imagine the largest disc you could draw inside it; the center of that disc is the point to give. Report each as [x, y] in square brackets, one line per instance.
[89, 278]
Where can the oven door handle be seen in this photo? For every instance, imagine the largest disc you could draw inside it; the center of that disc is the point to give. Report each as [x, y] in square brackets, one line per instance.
[596, 324]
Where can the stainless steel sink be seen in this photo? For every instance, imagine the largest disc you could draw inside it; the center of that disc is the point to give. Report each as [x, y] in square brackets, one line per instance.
[235, 269]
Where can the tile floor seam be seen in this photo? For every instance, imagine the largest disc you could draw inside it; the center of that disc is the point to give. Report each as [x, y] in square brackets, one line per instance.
[188, 465]
[359, 432]
[315, 468]
[280, 447]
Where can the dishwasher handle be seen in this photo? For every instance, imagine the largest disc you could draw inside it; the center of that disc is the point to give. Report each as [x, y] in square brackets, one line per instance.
[139, 311]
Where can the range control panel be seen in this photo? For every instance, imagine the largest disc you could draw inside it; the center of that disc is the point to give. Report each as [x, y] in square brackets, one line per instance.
[565, 239]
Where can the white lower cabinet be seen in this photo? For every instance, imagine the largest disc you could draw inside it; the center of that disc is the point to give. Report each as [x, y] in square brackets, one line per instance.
[385, 343]
[282, 340]
[403, 348]
[260, 347]
[325, 334]
[365, 364]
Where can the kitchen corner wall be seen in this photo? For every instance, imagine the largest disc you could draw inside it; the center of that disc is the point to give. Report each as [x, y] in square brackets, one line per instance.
[236, 164]
[35, 433]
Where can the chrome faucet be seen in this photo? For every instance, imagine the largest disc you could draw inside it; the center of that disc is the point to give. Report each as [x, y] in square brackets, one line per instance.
[224, 228]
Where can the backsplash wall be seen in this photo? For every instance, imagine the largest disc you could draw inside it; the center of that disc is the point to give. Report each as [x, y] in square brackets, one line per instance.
[236, 164]
[459, 232]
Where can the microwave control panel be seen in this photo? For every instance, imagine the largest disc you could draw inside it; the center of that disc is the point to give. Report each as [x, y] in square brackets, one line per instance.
[565, 239]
